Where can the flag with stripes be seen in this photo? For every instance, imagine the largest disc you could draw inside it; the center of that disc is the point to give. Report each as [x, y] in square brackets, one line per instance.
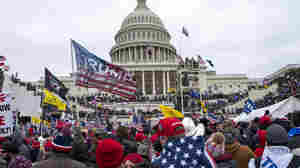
[3, 64]
[94, 72]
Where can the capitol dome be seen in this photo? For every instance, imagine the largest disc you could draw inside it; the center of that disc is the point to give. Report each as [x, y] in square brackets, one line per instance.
[142, 46]
[142, 15]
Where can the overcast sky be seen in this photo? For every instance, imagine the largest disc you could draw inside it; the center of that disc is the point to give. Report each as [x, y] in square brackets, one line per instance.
[255, 37]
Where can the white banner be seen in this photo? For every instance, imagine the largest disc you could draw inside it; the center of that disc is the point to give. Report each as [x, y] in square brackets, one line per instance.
[6, 115]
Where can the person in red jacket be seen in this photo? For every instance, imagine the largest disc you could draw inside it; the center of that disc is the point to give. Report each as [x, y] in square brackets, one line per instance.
[262, 142]
[266, 119]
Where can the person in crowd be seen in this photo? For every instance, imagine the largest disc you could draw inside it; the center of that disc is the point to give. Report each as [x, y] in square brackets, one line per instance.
[294, 143]
[61, 148]
[261, 136]
[265, 119]
[252, 131]
[276, 152]
[13, 157]
[109, 154]
[189, 125]
[199, 130]
[122, 136]
[80, 148]
[216, 144]
[284, 122]
[241, 154]
[134, 160]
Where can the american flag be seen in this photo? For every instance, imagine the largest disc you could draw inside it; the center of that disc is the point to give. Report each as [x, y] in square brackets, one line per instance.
[3, 97]
[187, 152]
[3, 64]
[94, 72]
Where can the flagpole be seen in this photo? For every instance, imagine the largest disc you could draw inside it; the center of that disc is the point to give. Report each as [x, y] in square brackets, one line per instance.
[181, 93]
[72, 59]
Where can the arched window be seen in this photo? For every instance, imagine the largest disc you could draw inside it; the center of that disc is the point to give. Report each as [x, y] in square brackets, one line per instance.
[139, 19]
[150, 19]
[149, 36]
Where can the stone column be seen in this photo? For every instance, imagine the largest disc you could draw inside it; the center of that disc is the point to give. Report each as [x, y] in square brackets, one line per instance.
[135, 53]
[166, 55]
[143, 78]
[129, 55]
[142, 54]
[153, 55]
[153, 79]
[159, 55]
[168, 79]
[164, 82]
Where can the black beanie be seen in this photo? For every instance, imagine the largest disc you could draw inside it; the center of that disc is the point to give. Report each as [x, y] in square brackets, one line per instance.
[276, 135]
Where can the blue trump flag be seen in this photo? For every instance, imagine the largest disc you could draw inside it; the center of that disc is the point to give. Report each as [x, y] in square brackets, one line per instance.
[249, 106]
[94, 72]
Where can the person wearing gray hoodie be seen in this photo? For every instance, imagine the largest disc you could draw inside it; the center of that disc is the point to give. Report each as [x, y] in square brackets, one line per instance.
[276, 153]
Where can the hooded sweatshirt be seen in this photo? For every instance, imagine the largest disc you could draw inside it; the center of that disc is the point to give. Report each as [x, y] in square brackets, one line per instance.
[274, 156]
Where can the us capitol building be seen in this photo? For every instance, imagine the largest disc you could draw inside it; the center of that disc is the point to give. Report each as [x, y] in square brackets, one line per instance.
[143, 47]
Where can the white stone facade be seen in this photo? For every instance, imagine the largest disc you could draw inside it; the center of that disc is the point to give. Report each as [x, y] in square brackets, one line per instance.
[143, 47]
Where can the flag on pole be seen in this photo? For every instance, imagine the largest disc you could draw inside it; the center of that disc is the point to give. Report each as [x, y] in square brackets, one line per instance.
[169, 112]
[201, 61]
[3, 64]
[210, 63]
[94, 72]
[249, 106]
[185, 31]
[54, 92]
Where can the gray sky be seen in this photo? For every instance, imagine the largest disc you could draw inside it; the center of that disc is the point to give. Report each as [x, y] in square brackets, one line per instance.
[256, 37]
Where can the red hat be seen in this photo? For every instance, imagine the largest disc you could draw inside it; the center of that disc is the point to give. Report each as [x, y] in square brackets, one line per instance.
[154, 138]
[170, 127]
[109, 154]
[139, 137]
[134, 158]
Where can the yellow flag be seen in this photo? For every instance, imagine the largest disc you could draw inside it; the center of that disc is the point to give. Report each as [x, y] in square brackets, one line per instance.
[171, 90]
[169, 112]
[50, 98]
[99, 105]
[266, 86]
[203, 107]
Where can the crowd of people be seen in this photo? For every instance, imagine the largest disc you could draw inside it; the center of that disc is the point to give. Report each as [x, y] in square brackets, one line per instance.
[175, 142]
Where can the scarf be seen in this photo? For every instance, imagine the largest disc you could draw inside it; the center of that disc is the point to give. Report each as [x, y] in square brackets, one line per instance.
[276, 156]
